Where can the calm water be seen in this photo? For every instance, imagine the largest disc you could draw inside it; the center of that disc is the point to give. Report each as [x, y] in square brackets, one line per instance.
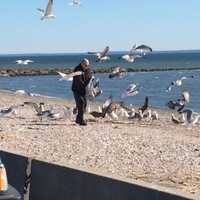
[155, 60]
[153, 85]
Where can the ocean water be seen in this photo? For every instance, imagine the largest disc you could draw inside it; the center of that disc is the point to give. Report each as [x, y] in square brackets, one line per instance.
[153, 85]
[175, 59]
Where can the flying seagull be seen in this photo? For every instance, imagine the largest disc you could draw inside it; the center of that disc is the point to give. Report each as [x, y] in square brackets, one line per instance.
[143, 49]
[132, 90]
[75, 3]
[48, 13]
[103, 55]
[130, 57]
[118, 72]
[93, 89]
[23, 62]
[69, 77]
[178, 82]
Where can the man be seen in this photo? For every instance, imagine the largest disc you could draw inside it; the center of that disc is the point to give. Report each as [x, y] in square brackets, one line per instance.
[79, 89]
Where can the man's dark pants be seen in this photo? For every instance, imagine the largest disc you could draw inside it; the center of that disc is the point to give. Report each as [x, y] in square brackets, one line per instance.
[81, 104]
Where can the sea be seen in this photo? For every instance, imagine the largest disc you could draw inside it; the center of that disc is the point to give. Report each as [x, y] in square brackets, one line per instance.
[152, 84]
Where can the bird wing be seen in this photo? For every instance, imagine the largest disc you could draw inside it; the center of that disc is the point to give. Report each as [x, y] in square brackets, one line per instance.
[34, 105]
[41, 10]
[107, 102]
[49, 8]
[186, 96]
[143, 48]
[133, 48]
[146, 105]
[105, 51]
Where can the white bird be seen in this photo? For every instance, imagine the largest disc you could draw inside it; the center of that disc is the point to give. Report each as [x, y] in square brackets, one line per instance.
[75, 3]
[103, 55]
[191, 117]
[93, 89]
[48, 13]
[118, 72]
[6, 112]
[41, 112]
[24, 62]
[131, 57]
[132, 90]
[69, 77]
[143, 49]
[177, 82]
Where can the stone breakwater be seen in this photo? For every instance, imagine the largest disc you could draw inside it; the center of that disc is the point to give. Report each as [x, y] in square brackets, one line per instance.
[12, 72]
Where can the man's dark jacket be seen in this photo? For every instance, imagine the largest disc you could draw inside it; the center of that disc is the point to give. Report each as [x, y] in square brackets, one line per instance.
[80, 83]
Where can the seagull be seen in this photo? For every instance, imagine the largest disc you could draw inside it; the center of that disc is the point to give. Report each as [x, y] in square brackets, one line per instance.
[176, 120]
[143, 49]
[69, 77]
[93, 89]
[132, 90]
[24, 62]
[145, 106]
[41, 112]
[130, 57]
[191, 117]
[75, 3]
[103, 55]
[5, 112]
[48, 13]
[179, 104]
[118, 72]
[177, 82]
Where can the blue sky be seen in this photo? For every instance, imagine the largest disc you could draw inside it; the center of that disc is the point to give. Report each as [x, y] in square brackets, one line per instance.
[161, 24]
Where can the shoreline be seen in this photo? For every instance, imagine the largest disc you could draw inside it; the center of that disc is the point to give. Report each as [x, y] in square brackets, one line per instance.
[14, 72]
[157, 152]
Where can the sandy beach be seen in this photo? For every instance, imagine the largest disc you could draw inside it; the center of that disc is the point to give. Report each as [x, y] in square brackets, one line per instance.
[158, 152]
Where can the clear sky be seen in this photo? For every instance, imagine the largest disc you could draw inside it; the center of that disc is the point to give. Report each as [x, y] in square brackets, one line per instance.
[161, 24]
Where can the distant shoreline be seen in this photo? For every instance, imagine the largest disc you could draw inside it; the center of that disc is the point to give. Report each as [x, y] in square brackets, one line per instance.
[13, 72]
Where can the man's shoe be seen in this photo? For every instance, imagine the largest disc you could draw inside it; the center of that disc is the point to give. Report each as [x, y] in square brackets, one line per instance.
[83, 123]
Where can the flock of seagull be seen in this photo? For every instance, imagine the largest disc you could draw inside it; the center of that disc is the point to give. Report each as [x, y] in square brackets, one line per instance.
[47, 13]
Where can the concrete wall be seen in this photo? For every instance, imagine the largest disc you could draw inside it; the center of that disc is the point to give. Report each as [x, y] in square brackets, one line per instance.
[52, 182]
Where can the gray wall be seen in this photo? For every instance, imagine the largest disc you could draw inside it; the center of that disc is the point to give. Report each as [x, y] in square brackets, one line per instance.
[52, 182]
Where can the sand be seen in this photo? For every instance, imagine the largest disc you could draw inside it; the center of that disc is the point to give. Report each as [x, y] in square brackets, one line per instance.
[158, 152]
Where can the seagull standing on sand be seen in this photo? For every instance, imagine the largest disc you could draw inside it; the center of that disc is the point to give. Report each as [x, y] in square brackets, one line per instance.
[41, 112]
[180, 103]
[103, 55]
[118, 72]
[177, 82]
[48, 13]
[191, 117]
[75, 3]
[69, 77]
[132, 90]
[23, 62]
[5, 112]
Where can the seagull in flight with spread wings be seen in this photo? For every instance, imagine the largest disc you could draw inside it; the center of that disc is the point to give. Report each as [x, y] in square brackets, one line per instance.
[48, 13]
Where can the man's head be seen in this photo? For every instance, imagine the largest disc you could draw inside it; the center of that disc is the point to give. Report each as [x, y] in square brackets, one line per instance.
[85, 63]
